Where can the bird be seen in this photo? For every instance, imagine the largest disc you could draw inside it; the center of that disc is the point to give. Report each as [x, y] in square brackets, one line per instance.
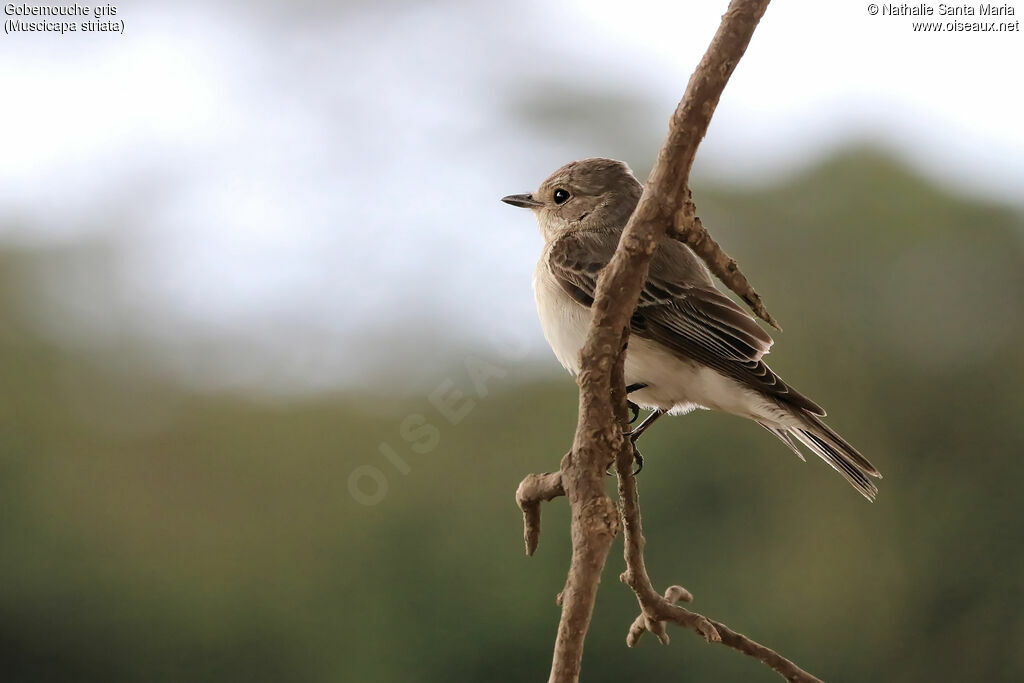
[690, 346]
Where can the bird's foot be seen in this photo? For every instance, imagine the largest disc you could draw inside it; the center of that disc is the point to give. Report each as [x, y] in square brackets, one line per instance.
[638, 431]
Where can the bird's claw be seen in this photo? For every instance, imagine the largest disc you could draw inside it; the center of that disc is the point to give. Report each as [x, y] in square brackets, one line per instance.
[634, 411]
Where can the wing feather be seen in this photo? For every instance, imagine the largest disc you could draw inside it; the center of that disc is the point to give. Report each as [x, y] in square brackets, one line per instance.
[680, 309]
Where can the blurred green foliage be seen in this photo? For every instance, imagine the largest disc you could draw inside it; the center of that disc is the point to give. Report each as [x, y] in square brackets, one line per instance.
[152, 534]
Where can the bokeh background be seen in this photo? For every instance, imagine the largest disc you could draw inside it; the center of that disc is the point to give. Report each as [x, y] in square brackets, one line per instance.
[271, 373]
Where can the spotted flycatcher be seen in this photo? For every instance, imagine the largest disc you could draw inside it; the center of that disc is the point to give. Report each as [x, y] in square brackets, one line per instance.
[690, 345]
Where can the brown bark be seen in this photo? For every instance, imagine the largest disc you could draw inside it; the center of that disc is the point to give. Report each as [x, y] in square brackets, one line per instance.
[535, 489]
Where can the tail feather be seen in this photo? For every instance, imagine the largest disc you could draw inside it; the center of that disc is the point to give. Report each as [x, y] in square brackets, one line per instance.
[839, 460]
[824, 442]
[824, 431]
[783, 436]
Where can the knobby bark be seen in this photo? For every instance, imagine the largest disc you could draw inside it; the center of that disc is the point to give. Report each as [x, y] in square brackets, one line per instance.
[664, 208]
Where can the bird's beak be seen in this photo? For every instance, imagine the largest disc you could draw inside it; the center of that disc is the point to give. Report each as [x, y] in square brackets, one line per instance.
[525, 201]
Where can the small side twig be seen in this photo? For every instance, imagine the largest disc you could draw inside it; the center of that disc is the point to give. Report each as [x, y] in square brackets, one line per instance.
[642, 624]
[534, 490]
[688, 229]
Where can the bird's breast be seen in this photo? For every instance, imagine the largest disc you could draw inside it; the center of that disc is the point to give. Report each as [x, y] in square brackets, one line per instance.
[564, 321]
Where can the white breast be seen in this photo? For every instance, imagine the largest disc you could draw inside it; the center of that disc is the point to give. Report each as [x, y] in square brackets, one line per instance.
[565, 322]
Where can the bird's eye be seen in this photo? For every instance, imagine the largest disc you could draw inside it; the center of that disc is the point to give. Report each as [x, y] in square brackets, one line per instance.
[561, 196]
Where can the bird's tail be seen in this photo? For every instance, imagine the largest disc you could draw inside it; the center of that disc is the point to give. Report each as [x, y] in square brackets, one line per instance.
[824, 442]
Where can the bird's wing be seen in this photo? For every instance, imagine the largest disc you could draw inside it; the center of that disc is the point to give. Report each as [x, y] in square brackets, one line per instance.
[680, 309]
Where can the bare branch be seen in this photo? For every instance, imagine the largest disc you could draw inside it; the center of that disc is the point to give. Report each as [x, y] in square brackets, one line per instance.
[669, 181]
[656, 610]
[602, 400]
[664, 208]
[784, 667]
[534, 490]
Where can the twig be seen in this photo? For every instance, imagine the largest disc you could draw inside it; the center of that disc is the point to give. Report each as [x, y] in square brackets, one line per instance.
[656, 610]
[534, 490]
[642, 624]
[688, 228]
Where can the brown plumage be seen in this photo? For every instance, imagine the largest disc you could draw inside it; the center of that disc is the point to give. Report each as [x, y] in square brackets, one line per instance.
[692, 346]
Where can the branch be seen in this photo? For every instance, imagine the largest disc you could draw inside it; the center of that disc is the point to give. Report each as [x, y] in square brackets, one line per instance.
[656, 610]
[669, 181]
[664, 208]
[642, 624]
[602, 395]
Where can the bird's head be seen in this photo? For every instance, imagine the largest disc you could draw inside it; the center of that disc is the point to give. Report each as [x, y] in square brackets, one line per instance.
[585, 195]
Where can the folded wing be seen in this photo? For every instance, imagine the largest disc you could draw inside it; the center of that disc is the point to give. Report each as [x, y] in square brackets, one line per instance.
[680, 309]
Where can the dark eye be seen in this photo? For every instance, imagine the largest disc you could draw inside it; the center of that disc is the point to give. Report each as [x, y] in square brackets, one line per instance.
[561, 196]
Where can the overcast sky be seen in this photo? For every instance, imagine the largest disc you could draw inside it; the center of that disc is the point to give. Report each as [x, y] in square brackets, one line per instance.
[299, 178]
